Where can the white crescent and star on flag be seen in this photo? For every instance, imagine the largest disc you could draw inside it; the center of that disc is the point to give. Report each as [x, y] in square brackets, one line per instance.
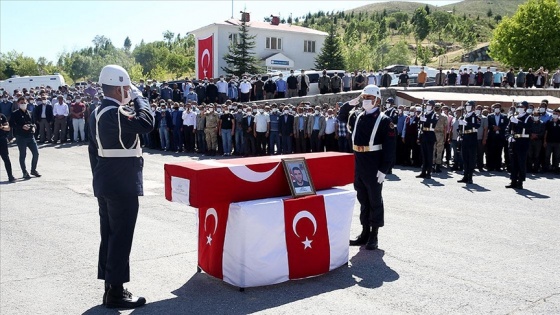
[300, 215]
[211, 212]
[205, 54]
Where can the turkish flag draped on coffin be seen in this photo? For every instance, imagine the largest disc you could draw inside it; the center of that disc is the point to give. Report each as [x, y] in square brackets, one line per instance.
[212, 224]
[307, 236]
[206, 57]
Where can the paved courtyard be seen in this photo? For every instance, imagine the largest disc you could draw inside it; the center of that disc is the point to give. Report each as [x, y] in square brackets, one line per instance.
[446, 249]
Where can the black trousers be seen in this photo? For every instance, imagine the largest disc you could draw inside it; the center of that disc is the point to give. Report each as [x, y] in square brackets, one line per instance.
[188, 137]
[315, 141]
[5, 156]
[495, 146]
[301, 143]
[331, 144]
[118, 218]
[249, 140]
[427, 149]
[468, 149]
[368, 190]
[519, 150]
[261, 143]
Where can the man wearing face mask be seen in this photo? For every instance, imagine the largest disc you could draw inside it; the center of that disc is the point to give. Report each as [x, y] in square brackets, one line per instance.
[441, 132]
[116, 163]
[373, 136]
[247, 125]
[482, 137]
[292, 83]
[44, 115]
[286, 129]
[468, 129]
[346, 82]
[24, 129]
[496, 139]
[536, 145]
[386, 79]
[518, 136]
[316, 129]
[552, 142]
[427, 139]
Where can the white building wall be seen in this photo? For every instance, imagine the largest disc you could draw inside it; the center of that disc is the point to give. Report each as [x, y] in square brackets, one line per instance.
[292, 45]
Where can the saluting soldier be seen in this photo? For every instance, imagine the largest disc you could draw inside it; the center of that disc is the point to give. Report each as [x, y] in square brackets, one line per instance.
[468, 129]
[373, 136]
[427, 139]
[116, 162]
[518, 135]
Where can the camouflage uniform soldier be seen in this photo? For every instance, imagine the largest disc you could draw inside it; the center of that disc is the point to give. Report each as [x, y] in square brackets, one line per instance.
[441, 131]
[211, 131]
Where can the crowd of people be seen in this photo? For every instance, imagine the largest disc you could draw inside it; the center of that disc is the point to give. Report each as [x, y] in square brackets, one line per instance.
[216, 124]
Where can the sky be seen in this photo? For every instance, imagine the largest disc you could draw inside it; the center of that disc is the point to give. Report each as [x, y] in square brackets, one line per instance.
[50, 28]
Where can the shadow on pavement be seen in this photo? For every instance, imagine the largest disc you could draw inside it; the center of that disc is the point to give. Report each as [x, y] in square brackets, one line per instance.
[203, 294]
[530, 194]
[475, 187]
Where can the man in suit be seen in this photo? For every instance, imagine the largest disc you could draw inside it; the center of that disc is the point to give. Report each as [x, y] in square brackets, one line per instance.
[247, 126]
[286, 128]
[44, 117]
[496, 139]
[300, 131]
[316, 129]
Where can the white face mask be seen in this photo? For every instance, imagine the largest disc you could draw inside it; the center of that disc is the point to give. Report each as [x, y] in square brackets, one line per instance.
[428, 108]
[367, 105]
[239, 110]
[227, 111]
[555, 116]
[521, 110]
[529, 111]
[249, 112]
[406, 113]
[535, 118]
[316, 112]
[468, 108]
[453, 109]
[496, 110]
[210, 110]
[477, 112]
[286, 112]
[387, 105]
[127, 99]
[22, 106]
[542, 110]
[261, 111]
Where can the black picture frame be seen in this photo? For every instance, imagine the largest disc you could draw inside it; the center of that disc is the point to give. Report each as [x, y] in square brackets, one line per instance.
[298, 186]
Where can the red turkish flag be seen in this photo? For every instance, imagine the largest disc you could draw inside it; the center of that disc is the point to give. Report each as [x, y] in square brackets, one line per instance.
[307, 236]
[211, 234]
[206, 57]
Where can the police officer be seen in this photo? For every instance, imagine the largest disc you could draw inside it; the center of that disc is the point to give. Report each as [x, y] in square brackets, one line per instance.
[468, 128]
[518, 135]
[373, 136]
[116, 162]
[427, 139]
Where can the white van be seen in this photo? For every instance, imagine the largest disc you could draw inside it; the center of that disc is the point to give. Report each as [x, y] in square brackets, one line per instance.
[28, 82]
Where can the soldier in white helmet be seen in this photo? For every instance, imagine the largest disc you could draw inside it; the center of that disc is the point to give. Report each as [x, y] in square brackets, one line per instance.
[373, 138]
[116, 163]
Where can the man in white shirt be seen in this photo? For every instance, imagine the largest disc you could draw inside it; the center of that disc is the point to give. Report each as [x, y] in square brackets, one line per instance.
[262, 127]
[222, 90]
[245, 90]
[189, 123]
[330, 124]
[60, 112]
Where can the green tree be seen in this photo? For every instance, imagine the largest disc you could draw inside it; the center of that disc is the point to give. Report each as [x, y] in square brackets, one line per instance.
[240, 58]
[421, 28]
[489, 13]
[331, 53]
[398, 54]
[168, 36]
[127, 44]
[540, 41]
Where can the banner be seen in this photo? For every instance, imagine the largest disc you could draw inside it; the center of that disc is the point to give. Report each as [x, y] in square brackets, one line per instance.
[211, 233]
[206, 57]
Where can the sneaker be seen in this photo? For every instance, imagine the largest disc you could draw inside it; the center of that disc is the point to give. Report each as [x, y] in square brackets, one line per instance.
[119, 297]
[35, 173]
[26, 176]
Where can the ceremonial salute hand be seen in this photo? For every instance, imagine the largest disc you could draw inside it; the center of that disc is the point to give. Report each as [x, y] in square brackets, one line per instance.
[462, 122]
[513, 120]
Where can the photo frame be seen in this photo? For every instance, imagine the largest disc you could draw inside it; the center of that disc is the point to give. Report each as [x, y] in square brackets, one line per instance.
[298, 177]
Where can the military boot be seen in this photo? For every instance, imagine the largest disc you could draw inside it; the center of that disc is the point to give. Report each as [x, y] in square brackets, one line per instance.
[372, 240]
[513, 184]
[362, 238]
[119, 297]
[438, 168]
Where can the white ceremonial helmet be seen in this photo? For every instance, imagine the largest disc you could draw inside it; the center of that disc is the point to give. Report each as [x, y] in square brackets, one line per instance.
[114, 75]
[372, 89]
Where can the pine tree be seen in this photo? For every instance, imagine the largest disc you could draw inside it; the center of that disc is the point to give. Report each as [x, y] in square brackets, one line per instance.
[127, 44]
[331, 54]
[240, 58]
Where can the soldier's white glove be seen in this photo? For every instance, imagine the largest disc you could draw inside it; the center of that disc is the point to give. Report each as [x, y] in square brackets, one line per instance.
[459, 138]
[514, 120]
[380, 177]
[134, 92]
[355, 101]
[423, 118]
[462, 122]
[511, 140]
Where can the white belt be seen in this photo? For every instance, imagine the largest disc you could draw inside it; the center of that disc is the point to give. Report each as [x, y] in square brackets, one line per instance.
[112, 153]
[428, 129]
[368, 148]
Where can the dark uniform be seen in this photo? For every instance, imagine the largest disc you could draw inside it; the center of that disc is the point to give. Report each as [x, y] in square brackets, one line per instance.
[393, 114]
[427, 138]
[4, 147]
[518, 135]
[469, 144]
[116, 163]
[373, 136]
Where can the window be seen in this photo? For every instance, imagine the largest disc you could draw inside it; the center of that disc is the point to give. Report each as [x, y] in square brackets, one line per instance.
[274, 43]
[233, 39]
[309, 46]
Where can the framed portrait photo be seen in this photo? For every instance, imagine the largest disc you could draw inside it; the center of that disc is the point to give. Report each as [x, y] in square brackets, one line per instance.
[298, 177]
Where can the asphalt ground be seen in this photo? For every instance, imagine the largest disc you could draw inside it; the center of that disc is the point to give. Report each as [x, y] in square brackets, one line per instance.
[446, 248]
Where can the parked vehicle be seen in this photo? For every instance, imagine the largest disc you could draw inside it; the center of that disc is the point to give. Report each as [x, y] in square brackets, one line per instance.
[28, 82]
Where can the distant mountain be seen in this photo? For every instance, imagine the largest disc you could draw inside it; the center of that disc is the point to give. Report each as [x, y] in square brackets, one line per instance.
[471, 8]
